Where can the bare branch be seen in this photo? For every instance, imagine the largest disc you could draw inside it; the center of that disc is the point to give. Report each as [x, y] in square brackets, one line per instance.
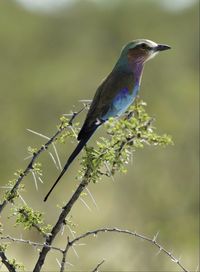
[34, 244]
[62, 268]
[71, 243]
[98, 265]
[140, 236]
[6, 262]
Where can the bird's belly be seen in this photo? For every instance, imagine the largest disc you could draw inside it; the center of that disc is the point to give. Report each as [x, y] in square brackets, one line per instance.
[121, 102]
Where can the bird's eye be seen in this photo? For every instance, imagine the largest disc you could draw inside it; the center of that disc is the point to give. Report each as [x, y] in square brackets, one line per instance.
[145, 46]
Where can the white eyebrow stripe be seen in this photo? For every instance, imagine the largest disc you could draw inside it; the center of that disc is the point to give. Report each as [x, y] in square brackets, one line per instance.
[153, 44]
[148, 42]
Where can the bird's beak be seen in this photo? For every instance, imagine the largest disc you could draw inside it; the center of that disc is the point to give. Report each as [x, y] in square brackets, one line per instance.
[162, 47]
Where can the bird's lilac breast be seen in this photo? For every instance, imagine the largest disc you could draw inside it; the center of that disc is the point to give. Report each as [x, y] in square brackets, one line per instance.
[121, 102]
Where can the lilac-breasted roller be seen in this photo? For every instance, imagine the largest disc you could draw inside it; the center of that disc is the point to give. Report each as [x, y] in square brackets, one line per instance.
[117, 91]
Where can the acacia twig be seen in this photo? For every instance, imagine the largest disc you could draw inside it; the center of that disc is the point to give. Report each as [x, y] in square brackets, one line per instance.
[87, 177]
[33, 224]
[36, 155]
[6, 262]
[62, 268]
[85, 181]
[31, 243]
[135, 234]
[98, 265]
[65, 211]
[71, 243]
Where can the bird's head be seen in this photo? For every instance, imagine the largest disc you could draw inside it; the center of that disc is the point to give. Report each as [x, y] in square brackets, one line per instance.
[141, 50]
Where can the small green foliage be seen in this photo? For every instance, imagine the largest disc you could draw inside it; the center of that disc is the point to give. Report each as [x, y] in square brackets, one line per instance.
[37, 167]
[64, 122]
[45, 229]
[30, 218]
[18, 173]
[65, 135]
[16, 265]
[10, 196]
[70, 132]
[125, 135]
[69, 222]
[3, 247]
[31, 150]
[12, 262]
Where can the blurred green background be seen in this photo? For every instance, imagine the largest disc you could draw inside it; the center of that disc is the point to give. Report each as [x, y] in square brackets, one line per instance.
[50, 59]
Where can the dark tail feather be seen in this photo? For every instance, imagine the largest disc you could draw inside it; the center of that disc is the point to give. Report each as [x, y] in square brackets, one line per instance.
[77, 150]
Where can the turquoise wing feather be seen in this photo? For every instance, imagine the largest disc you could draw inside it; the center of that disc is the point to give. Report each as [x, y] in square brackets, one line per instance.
[112, 98]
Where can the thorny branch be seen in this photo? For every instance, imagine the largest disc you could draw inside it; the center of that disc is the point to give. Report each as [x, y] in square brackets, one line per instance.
[35, 156]
[36, 226]
[71, 243]
[62, 268]
[6, 262]
[98, 265]
[31, 243]
[61, 220]
[135, 234]
[47, 245]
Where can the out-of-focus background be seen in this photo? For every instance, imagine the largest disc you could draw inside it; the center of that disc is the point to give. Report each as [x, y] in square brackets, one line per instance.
[54, 53]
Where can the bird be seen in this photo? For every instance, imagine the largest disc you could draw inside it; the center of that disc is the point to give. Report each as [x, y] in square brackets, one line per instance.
[116, 92]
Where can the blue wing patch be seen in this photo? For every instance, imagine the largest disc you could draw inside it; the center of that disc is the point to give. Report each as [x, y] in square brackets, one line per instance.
[121, 102]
